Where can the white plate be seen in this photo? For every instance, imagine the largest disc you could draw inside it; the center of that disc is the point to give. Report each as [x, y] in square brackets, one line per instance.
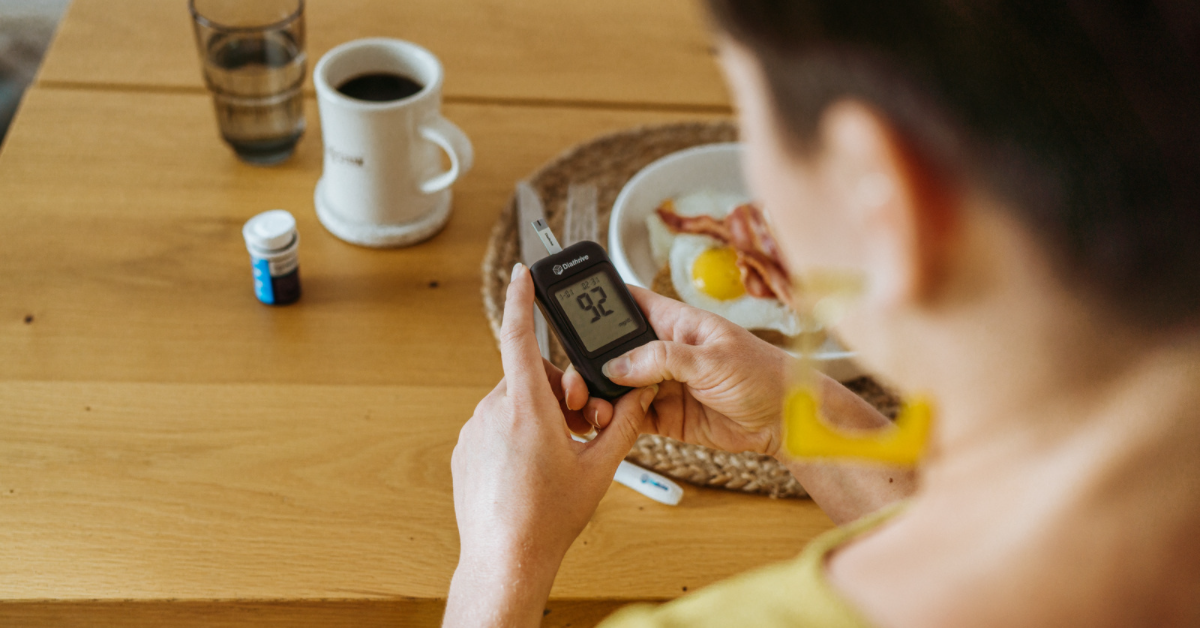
[713, 168]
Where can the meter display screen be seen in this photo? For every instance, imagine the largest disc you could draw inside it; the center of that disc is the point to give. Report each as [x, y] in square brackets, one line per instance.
[596, 310]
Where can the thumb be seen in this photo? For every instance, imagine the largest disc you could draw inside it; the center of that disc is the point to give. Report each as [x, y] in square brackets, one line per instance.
[654, 362]
[615, 441]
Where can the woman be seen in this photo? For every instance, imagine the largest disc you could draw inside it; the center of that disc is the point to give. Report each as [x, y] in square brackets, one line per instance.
[1019, 184]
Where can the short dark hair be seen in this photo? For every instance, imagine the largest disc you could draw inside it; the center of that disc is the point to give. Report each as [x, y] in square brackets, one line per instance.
[1082, 115]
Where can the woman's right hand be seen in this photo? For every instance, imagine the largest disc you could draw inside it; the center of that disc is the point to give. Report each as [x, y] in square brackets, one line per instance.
[719, 385]
[722, 387]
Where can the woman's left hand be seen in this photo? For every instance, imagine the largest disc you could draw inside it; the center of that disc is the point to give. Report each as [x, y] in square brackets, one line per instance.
[523, 489]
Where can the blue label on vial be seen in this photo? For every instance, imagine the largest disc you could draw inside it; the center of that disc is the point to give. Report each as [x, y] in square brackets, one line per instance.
[262, 281]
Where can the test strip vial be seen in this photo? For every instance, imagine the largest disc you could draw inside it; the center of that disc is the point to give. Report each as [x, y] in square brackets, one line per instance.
[274, 245]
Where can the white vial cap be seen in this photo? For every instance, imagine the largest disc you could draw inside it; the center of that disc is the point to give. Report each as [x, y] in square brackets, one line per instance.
[270, 230]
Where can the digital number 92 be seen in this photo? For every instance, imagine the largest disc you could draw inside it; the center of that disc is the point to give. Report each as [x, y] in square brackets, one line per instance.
[595, 307]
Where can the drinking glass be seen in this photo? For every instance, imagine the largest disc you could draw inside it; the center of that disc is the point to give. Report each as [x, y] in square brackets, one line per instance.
[254, 64]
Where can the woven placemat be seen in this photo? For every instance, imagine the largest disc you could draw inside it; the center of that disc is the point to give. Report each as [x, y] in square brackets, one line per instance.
[609, 162]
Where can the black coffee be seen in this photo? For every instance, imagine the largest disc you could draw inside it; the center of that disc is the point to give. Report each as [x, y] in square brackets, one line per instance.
[380, 87]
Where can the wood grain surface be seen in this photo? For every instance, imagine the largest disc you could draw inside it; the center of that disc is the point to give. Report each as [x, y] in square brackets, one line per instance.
[173, 452]
[376, 613]
[159, 492]
[612, 51]
[122, 215]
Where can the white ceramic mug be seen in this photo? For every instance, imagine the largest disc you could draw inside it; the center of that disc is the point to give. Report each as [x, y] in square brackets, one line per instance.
[383, 183]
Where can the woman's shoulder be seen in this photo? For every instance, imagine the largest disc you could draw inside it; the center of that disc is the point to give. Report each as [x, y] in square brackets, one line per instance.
[792, 593]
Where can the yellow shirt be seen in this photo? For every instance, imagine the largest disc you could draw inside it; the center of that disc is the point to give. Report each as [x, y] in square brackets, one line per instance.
[794, 593]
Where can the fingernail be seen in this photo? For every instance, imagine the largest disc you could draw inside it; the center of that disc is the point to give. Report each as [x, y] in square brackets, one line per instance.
[648, 395]
[616, 367]
[595, 420]
[516, 268]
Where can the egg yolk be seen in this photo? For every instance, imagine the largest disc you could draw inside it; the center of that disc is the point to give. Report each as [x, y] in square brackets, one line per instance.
[716, 274]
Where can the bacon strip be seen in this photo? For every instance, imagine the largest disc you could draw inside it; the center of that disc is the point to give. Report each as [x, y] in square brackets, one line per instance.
[750, 232]
[747, 232]
[755, 285]
[699, 225]
[770, 274]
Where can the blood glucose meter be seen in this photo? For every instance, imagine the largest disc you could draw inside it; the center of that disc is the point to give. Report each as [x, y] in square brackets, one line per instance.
[589, 308]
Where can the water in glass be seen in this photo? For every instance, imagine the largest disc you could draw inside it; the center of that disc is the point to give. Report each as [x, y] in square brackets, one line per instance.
[255, 78]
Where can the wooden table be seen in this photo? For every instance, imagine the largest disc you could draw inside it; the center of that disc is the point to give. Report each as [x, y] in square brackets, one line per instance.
[174, 453]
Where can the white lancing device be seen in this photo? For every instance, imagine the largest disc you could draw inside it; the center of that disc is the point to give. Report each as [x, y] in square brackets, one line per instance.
[648, 483]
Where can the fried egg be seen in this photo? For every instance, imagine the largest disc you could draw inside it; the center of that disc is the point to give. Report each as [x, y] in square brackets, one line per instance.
[705, 274]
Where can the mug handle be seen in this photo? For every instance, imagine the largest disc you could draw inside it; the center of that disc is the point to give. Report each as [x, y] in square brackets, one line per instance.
[452, 140]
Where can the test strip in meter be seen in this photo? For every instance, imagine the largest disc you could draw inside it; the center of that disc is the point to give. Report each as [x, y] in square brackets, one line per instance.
[547, 237]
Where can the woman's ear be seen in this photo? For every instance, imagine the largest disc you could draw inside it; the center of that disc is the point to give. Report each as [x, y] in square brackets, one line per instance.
[903, 213]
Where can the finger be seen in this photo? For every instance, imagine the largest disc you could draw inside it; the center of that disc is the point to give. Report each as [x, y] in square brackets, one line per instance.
[654, 362]
[574, 419]
[574, 389]
[598, 412]
[554, 375]
[577, 423]
[663, 313]
[518, 344]
[614, 443]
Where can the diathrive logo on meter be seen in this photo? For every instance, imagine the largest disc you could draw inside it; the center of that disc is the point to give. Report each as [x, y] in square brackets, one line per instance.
[559, 268]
